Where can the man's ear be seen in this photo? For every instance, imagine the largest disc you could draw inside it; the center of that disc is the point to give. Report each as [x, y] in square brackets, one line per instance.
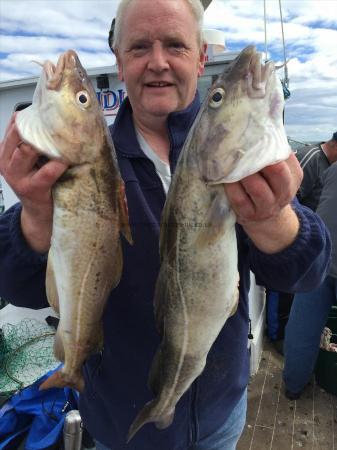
[202, 59]
[120, 66]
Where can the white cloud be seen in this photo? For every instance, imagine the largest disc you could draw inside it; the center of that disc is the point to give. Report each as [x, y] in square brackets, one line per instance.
[43, 29]
[310, 29]
[40, 30]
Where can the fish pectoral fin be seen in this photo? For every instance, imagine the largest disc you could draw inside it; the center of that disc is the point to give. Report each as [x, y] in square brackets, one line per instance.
[124, 215]
[214, 224]
[117, 268]
[126, 232]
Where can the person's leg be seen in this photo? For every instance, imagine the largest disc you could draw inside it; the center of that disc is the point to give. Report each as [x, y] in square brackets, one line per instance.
[228, 435]
[100, 446]
[308, 316]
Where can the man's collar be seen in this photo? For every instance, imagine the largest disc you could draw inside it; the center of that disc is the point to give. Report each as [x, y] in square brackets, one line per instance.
[178, 123]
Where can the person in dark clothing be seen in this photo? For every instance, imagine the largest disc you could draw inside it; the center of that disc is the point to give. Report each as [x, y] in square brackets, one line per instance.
[302, 337]
[314, 161]
[160, 54]
[310, 310]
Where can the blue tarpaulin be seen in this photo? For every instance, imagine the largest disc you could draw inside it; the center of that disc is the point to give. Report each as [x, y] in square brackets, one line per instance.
[38, 415]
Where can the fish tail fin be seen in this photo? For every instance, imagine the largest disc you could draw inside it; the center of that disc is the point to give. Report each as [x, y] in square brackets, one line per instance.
[60, 380]
[124, 215]
[150, 414]
[165, 421]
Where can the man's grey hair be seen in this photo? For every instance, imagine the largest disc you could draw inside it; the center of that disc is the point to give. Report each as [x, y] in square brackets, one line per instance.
[196, 9]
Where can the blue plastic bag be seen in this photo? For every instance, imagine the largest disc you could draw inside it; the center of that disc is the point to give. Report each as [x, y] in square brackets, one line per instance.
[39, 413]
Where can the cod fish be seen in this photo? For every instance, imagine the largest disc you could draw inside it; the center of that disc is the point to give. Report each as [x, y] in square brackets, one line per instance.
[85, 261]
[238, 131]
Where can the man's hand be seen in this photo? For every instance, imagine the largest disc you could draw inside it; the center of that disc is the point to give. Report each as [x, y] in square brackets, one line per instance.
[262, 204]
[32, 184]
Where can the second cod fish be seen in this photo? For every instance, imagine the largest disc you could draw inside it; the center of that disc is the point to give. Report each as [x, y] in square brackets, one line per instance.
[238, 131]
[85, 258]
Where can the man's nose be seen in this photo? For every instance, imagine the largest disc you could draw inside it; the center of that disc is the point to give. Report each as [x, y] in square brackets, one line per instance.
[158, 58]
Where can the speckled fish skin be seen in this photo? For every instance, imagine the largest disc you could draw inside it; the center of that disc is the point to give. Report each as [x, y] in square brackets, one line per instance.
[237, 132]
[85, 258]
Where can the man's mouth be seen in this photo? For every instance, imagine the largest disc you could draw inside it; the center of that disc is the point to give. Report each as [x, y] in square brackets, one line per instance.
[158, 84]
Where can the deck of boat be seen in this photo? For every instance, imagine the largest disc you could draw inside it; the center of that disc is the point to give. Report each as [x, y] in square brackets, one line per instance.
[276, 423]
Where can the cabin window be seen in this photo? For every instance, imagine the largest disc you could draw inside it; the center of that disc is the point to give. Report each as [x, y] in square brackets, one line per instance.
[22, 105]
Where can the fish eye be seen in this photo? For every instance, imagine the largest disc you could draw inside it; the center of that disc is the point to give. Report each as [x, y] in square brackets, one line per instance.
[217, 98]
[83, 98]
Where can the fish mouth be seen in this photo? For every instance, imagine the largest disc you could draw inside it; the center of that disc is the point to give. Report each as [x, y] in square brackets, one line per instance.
[49, 69]
[248, 60]
[259, 73]
[54, 73]
[251, 70]
[240, 67]
[68, 60]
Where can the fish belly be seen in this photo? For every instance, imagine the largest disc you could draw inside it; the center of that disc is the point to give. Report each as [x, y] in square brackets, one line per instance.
[196, 292]
[202, 293]
[83, 266]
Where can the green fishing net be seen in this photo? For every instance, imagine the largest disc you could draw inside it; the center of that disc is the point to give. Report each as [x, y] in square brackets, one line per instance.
[26, 353]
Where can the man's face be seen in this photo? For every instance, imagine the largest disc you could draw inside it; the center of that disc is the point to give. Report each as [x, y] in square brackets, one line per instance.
[331, 150]
[159, 57]
[334, 157]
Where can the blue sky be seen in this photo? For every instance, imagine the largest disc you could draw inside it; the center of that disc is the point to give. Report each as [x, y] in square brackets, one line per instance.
[42, 29]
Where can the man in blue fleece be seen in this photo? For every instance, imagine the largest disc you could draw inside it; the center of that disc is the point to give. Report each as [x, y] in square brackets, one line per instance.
[160, 54]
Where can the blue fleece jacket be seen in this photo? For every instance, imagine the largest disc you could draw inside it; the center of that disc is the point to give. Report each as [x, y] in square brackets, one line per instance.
[116, 379]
